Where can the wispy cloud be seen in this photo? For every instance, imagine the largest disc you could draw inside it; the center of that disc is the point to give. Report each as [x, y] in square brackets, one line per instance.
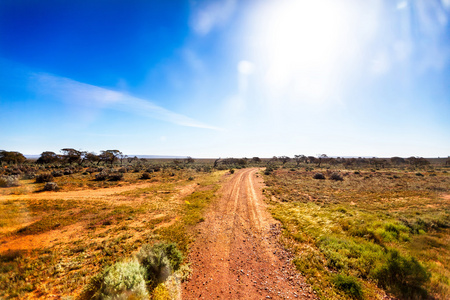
[213, 14]
[87, 95]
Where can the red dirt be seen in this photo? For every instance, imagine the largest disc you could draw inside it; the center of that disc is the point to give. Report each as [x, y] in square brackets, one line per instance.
[236, 254]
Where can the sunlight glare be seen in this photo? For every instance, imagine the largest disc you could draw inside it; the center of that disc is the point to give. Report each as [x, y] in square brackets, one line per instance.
[302, 43]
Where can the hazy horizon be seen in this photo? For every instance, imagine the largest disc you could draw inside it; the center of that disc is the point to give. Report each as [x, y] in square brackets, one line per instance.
[226, 78]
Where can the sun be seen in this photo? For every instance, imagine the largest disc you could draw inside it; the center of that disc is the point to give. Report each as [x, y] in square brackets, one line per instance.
[302, 41]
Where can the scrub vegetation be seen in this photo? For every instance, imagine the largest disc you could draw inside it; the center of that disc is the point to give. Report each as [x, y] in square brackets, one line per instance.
[87, 226]
[365, 230]
[66, 232]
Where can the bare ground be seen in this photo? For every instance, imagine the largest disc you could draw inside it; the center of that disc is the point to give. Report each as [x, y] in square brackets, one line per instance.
[236, 254]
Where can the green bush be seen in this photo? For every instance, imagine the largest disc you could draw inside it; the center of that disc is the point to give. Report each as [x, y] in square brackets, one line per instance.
[159, 261]
[348, 284]
[403, 276]
[123, 280]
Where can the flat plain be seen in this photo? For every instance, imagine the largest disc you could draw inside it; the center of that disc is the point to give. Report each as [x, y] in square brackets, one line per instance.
[264, 229]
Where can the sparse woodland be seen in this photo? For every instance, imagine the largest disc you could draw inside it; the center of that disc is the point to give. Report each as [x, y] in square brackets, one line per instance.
[81, 224]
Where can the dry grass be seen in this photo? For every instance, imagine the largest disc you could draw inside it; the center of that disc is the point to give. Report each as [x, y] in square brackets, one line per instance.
[51, 243]
[350, 228]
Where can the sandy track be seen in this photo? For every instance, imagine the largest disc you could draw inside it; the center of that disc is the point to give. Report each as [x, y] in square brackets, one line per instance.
[236, 254]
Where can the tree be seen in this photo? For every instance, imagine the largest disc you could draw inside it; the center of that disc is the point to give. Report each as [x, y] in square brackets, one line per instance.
[71, 155]
[110, 156]
[216, 162]
[397, 160]
[311, 159]
[48, 157]
[11, 157]
[321, 158]
[256, 159]
[92, 157]
[299, 158]
[189, 160]
[284, 159]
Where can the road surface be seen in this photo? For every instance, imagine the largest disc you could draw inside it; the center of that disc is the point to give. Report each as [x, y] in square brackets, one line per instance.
[236, 254]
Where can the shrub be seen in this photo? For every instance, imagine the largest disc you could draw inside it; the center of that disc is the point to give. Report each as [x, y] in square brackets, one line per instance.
[145, 175]
[106, 175]
[68, 172]
[9, 181]
[159, 261]
[123, 170]
[336, 176]
[419, 174]
[29, 175]
[103, 175]
[319, 176]
[51, 186]
[123, 280]
[404, 276]
[11, 255]
[92, 170]
[268, 170]
[57, 174]
[231, 171]
[115, 176]
[348, 284]
[46, 177]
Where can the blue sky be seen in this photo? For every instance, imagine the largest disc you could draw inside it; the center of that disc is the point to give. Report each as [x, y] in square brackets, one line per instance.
[226, 78]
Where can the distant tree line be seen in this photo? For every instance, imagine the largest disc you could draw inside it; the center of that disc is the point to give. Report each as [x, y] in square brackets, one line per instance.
[72, 156]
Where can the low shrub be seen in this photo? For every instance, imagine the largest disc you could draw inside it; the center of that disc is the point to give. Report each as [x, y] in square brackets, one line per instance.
[159, 261]
[231, 171]
[123, 280]
[145, 175]
[103, 175]
[268, 170]
[115, 176]
[403, 276]
[57, 174]
[336, 176]
[106, 175]
[348, 284]
[319, 176]
[68, 172]
[9, 181]
[51, 186]
[46, 177]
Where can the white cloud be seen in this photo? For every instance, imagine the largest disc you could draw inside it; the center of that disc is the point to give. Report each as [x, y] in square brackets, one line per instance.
[87, 95]
[214, 14]
[402, 5]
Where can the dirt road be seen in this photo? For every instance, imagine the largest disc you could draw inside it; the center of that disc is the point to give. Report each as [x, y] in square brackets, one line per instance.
[236, 254]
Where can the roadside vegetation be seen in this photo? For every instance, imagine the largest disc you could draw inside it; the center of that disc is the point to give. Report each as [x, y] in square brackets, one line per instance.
[80, 240]
[88, 226]
[360, 231]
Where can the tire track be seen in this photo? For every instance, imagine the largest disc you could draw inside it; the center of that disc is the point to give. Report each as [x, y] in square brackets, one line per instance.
[236, 254]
